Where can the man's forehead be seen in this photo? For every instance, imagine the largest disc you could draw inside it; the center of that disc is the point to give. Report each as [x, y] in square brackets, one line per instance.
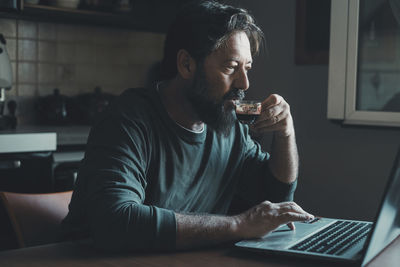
[235, 48]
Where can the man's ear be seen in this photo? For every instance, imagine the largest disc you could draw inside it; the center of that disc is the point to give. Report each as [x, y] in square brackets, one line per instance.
[185, 64]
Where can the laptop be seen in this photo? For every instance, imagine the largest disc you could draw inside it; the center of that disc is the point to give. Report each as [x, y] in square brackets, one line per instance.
[337, 239]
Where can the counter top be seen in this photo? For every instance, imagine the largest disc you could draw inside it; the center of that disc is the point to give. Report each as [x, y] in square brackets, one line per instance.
[27, 142]
[66, 135]
[35, 138]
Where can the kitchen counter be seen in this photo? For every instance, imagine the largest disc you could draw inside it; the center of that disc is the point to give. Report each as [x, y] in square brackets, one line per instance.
[36, 138]
[17, 142]
[66, 135]
[39, 159]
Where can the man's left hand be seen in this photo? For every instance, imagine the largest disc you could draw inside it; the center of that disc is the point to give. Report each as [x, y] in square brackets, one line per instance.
[275, 117]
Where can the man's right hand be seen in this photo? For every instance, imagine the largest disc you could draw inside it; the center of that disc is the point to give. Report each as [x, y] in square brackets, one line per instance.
[194, 230]
[266, 216]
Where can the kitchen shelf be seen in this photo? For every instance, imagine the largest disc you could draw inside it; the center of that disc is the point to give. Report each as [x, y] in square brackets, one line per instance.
[146, 15]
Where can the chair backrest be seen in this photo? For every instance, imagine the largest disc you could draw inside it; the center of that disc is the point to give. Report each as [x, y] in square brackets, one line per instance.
[36, 217]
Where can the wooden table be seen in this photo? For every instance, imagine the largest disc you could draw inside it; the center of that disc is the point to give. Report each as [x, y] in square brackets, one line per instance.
[80, 253]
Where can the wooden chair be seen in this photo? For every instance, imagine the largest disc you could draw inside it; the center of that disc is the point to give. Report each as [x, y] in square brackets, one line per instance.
[35, 218]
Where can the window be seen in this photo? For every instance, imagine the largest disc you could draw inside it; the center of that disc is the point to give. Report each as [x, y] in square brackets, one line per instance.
[364, 62]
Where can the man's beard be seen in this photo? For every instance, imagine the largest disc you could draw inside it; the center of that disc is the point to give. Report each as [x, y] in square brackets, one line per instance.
[216, 113]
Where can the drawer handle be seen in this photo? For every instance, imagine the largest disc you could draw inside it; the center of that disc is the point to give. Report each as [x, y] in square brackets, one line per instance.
[10, 164]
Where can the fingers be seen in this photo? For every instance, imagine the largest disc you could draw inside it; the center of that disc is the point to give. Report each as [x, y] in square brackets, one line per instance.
[275, 116]
[291, 226]
[272, 100]
[272, 123]
[290, 206]
[269, 112]
[294, 217]
[266, 216]
[288, 212]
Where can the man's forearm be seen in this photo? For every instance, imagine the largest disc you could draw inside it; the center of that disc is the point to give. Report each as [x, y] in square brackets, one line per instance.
[196, 230]
[205, 230]
[284, 162]
[276, 117]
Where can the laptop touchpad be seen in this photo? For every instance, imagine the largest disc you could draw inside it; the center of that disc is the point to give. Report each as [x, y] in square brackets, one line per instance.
[284, 237]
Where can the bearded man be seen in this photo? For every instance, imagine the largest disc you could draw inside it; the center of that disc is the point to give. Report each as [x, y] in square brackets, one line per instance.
[163, 165]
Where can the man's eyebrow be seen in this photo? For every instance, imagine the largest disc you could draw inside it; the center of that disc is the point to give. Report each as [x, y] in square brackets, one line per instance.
[237, 60]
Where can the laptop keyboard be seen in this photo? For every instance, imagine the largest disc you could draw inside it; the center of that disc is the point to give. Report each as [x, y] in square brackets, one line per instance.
[334, 239]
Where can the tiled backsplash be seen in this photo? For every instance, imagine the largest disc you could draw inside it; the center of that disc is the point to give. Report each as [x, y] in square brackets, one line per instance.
[76, 59]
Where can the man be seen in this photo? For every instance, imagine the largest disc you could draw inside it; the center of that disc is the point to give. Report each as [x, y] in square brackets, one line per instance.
[163, 165]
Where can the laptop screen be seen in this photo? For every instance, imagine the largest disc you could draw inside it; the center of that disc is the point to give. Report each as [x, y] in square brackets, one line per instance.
[387, 226]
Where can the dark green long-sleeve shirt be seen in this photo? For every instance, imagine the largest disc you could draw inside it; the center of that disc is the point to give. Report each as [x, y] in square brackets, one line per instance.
[140, 167]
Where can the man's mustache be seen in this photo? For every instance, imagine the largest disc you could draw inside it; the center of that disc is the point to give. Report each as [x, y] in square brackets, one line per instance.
[234, 94]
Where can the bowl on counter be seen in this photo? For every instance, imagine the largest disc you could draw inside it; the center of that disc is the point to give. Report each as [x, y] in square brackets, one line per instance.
[58, 109]
[86, 107]
[52, 109]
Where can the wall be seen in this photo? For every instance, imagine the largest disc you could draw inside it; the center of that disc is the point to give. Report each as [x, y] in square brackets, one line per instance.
[75, 59]
[343, 169]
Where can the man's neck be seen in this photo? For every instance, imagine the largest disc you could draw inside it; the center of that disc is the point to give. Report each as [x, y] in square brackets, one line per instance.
[178, 107]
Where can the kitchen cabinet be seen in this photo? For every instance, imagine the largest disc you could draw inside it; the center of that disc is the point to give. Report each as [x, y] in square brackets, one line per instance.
[144, 15]
[37, 159]
[25, 161]
[26, 172]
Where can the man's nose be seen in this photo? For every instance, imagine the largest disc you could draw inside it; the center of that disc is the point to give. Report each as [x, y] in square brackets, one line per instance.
[242, 81]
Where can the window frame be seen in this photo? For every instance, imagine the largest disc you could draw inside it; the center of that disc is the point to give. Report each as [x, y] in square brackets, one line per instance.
[343, 58]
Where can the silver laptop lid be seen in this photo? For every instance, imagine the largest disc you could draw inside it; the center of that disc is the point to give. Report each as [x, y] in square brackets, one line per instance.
[387, 223]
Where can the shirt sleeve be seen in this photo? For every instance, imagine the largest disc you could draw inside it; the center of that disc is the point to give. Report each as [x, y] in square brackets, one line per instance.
[257, 183]
[112, 184]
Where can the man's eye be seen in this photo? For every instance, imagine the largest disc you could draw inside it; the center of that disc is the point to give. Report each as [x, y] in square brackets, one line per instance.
[230, 68]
